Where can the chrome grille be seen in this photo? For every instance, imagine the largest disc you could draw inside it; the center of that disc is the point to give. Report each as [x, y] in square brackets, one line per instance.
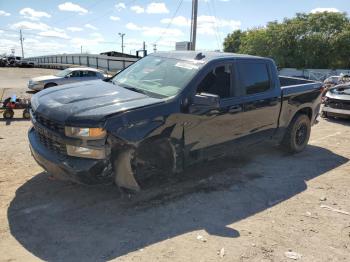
[338, 104]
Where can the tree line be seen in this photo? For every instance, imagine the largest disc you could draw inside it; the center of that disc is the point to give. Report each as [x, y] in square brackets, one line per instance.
[320, 40]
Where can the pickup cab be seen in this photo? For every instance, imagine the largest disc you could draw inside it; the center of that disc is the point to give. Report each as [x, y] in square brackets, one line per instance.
[165, 112]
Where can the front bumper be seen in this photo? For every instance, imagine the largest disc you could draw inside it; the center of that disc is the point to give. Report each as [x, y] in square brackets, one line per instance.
[335, 110]
[76, 169]
[35, 87]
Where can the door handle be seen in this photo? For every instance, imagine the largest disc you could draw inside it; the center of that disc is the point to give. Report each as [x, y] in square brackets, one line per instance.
[235, 109]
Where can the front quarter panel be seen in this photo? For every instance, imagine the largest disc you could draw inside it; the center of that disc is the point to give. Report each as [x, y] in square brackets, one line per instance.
[137, 125]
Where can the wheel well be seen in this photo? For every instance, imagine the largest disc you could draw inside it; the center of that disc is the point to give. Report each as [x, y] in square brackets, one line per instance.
[153, 146]
[50, 84]
[305, 111]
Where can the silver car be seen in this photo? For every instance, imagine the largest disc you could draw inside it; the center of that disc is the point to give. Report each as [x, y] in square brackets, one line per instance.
[336, 102]
[67, 76]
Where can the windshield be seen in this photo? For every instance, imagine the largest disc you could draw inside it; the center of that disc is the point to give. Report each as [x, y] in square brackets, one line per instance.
[157, 76]
[63, 73]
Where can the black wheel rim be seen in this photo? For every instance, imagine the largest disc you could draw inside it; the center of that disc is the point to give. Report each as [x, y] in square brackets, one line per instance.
[301, 134]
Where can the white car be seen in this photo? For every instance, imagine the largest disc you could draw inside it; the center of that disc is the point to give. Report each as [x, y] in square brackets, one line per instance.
[67, 76]
[336, 102]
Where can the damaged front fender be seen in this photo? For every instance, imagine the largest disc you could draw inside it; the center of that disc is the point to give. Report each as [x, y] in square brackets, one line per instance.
[124, 174]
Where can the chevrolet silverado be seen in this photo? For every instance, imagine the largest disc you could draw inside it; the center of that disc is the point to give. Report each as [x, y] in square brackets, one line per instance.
[165, 112]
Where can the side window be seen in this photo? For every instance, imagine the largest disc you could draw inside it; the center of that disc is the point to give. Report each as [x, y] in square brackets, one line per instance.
[89, 73]
[75, 73]
[217, 81]
[253, 77]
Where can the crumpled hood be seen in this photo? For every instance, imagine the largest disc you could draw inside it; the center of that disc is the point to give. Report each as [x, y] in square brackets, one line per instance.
[341, 92]
[43, 78]
[87, 103]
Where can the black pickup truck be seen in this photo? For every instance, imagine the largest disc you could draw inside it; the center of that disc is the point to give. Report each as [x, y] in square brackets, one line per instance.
[165, 112]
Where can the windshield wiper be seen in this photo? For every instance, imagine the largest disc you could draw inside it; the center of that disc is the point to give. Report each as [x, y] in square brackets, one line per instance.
[133, 89]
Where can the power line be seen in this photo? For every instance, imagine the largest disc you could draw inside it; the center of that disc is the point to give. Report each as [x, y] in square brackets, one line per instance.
[170, 22]
[215, 28]
[216, 21]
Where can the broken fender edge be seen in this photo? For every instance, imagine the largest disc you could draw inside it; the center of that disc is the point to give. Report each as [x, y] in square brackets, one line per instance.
[124, 175]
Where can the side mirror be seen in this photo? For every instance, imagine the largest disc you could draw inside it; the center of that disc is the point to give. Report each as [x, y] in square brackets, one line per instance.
[205, 102]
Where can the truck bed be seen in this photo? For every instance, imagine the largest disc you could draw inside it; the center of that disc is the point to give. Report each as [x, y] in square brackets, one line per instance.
[292, 85]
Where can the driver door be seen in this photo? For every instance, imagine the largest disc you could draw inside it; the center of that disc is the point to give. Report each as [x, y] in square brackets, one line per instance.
[207, 127]
[72, 77]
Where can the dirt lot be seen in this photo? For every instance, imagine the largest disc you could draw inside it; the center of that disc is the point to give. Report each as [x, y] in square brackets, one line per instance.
[255, 207]
[15, 80]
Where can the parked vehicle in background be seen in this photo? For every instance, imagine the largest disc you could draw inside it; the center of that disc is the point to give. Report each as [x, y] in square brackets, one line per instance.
[3, 61]
[336, 80]
[331, 81]
[67, 76]
[336, 102]
[13, 60]
[166, 112]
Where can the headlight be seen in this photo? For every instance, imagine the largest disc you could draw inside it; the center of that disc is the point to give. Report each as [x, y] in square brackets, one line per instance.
[86, 152]
[84, 132]
[31, 82]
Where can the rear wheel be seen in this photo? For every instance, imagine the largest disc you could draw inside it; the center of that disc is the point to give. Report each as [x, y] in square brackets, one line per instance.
[50, 85]
[298, 134]
[8, 114]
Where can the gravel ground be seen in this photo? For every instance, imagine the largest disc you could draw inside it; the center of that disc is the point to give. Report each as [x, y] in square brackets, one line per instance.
[264, 205]
[14, 80]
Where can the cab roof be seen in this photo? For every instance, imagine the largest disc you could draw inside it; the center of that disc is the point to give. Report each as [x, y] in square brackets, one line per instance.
[204, 56]
[84, 68]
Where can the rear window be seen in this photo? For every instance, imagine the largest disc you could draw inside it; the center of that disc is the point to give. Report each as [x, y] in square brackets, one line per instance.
[254, 77]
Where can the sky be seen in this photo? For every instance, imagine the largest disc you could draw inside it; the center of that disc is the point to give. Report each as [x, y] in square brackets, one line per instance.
[59, 26]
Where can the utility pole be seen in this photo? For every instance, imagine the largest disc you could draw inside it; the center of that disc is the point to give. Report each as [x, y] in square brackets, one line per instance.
[194, 24]
[81, 49]
[122, 36]
[21, 38]
[154, 48]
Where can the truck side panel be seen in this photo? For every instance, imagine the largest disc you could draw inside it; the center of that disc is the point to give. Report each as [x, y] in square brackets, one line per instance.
[305, 98]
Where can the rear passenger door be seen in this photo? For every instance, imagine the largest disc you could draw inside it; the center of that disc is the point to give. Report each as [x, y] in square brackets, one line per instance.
[259, 96]
[89, 75]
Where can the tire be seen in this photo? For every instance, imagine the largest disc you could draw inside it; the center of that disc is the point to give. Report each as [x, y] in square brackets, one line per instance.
[324, 114]
[149, 165]
[26, 114]
[8, 114]
[49, 85]
[298, 133]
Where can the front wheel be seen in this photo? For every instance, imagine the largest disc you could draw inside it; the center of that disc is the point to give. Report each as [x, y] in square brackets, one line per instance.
[8, 114]
[49, 85]
[297, 135]
[324, 114]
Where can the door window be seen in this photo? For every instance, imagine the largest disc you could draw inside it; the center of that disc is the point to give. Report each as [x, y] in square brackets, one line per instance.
[253, 77]
[89, 74]
[75, 73]
[217, 81]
